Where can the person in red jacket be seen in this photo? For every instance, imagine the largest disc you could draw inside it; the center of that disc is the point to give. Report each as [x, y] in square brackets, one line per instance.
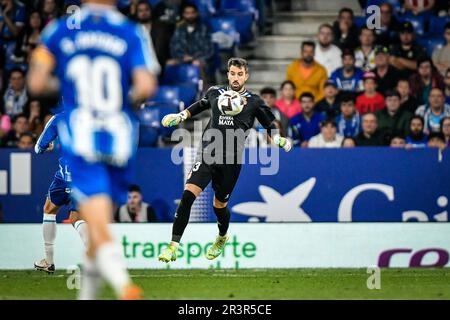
[425, 79]
[370, 100]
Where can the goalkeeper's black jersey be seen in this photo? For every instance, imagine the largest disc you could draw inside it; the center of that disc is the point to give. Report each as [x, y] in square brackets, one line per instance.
[224, 136]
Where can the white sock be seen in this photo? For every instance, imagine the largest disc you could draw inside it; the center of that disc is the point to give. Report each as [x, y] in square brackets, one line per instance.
[80, 226]
[90, 280]
[49, 232]
[112, 267]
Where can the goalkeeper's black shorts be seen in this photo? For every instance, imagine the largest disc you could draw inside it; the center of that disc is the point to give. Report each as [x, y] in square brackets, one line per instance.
[223, 177]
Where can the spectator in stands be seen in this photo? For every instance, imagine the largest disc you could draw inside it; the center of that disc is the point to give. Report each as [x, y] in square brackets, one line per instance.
[370, 136]
[327, 138]
[12, 21]
[50, 10]
[345, 31]
[349, 121]
[387, 75]
[408, 102]
[365, 54]
[19, 126]
[135, 210]
[436, 140]
[37, 117]
[269, 96]
[445, 130]
[441, 55]
[330, 104]
[398, 142]
[404, 56]
[306, 73]
[348, 78]
[5, 125]
[418, 7]
[160, 32]
[15, 96]
[28, 38]
[287, 103]
[416, 137]
[447, 86]
[191, 42]
[392, 120]
[348, 142]
[370, 100]
[306, 124]
[387, 34]
[434, 111]
[26, 141]
[327, 54]
[426, 78]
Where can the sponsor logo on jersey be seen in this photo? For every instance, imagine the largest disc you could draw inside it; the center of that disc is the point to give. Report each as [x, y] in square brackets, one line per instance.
[226, 121]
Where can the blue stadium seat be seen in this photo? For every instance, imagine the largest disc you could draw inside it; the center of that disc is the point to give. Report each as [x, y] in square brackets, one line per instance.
[238, 5]
[167, 94]
[206, 8]
[224, 32]
[181, 73]
[244, 24]
[417, 21]
[437, 25]
[359, 21]
[434, 43]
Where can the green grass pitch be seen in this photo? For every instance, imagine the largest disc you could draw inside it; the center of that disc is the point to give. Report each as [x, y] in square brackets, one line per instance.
[245, 284]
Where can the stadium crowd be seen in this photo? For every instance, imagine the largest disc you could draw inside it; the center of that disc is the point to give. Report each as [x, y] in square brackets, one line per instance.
[352, 86]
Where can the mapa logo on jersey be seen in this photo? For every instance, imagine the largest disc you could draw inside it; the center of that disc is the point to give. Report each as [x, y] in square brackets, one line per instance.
[288, 207]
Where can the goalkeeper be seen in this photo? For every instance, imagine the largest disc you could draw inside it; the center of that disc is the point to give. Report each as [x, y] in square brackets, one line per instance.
[219, 163]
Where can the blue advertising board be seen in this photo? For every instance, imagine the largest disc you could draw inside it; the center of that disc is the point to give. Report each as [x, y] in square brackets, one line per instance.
[310, 185]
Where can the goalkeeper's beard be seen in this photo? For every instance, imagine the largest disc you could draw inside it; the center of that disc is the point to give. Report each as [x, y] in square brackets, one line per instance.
[238, 88]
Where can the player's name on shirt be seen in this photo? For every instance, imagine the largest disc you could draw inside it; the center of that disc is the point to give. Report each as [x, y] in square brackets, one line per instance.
[97, 40]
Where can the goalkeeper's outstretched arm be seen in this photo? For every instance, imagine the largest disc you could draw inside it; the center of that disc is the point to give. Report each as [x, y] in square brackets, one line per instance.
[174, 119]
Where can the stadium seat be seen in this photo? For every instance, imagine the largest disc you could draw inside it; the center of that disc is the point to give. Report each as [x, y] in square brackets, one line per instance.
[434, 43]
[238, 5]
[181, 74]
[359, 21]
[244, 22]
[437, 25]
[224, 32]
[417, 21]
[167, 94]
[206, 8]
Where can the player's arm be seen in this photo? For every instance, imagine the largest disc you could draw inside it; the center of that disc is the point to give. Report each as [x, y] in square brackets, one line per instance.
[144, 86]
[40, 80]
[267, 120]
[197, 107]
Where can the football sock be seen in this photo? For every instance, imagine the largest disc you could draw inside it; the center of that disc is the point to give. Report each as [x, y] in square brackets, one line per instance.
[90, 280]
[223, 219]
[80, 226]
[174, 244]
[49, 232]
[112, 267]
[182, 215]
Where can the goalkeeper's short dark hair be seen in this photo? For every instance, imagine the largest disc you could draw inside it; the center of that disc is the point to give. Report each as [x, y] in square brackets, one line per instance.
[238, 62]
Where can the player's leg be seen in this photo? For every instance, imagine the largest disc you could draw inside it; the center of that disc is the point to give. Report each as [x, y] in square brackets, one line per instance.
[49, 234]
[198, 179]
[224, 179]
[93, 188]
[79, 225]
[96, 211]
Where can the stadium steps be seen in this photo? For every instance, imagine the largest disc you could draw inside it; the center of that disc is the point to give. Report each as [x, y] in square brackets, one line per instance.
[274, 52]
